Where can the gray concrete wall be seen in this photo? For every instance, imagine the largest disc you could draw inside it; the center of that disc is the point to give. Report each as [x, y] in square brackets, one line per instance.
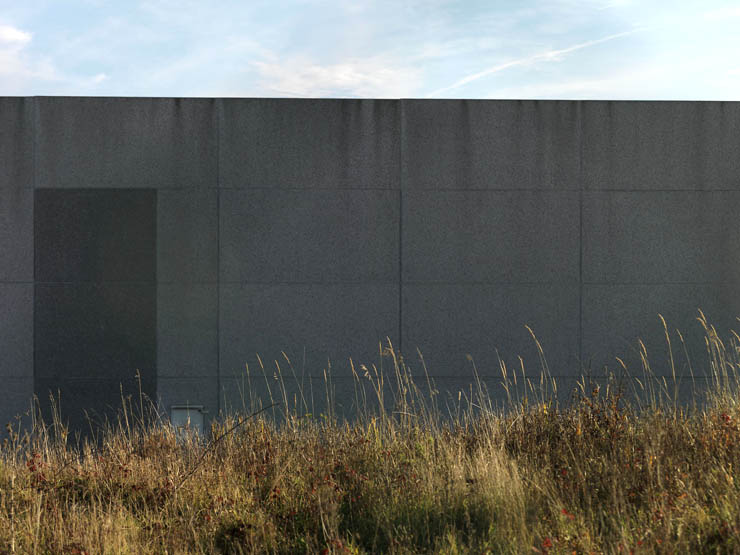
[309, 231]
[660, 196]
[95, 300]
[16, 259]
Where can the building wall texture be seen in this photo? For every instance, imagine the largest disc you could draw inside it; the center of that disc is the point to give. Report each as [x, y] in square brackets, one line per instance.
[183, 237]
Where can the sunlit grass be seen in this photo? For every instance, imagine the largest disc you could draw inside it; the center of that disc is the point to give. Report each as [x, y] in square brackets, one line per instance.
[612, 471]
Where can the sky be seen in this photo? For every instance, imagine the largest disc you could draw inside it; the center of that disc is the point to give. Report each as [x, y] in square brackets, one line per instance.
[550, 49]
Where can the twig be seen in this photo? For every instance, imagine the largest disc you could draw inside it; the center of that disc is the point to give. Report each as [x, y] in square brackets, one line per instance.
[215, 441]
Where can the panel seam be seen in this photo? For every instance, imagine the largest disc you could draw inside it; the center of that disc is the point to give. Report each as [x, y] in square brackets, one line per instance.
[580, 233]
[34, 170]
[156, 303]
[218, 107]
[400, 224]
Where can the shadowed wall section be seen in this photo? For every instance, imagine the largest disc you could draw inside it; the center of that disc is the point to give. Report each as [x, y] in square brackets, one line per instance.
[309, 230]
[94, 300]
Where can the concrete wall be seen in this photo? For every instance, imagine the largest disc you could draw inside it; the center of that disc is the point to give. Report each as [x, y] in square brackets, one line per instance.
[16, 258]
[312, 230]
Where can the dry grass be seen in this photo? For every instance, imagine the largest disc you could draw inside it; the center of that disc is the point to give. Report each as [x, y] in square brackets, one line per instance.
[598, 475]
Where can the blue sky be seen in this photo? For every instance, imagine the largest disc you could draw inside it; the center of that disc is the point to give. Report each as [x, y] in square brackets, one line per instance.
[559, 49]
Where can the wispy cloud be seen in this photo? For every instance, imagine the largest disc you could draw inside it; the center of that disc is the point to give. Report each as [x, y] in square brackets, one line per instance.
[549, 55]
[371, 48]
[20, 68]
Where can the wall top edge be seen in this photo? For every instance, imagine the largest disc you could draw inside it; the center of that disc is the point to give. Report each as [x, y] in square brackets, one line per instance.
[352, 99]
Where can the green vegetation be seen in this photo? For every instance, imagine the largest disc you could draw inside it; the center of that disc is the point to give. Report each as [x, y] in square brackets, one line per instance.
[599, 475]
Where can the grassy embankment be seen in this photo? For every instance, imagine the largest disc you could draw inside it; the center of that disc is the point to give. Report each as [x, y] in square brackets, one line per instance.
[598, 474]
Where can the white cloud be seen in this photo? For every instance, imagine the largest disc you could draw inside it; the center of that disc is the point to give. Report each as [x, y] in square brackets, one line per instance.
[12, 36]
[367, 78]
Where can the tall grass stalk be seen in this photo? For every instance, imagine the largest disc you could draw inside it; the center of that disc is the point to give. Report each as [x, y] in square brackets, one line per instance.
[619, 468]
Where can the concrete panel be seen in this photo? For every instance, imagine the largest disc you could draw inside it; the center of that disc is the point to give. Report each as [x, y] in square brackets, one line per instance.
[615, 316]
[187, 330]
[188, 391]
[95, 235]
[661, 237]
[452, 397]
[87, 404]
[661, 145]
[345, 397]
[490, 144]
[16, 234]
[490, 236]
[454, 394]
[243, 395]
[448, 322]
[350, 398]
[310, 323]
[246, 395]
[567, 391]
[309, 143]
[461, 395]
[133, 142]
[187, 235]
[307, 395]
[90, 330]
[16, 142]
[16, 330]
[15, 405]
[297, 236]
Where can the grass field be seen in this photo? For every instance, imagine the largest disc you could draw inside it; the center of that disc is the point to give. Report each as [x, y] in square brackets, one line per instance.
[599, 474]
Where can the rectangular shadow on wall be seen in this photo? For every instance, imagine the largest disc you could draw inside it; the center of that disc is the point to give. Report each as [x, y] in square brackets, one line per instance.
[95, 303]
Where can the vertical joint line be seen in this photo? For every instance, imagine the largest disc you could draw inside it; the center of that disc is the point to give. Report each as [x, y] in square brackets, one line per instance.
[217, 106]
[400, 226]
[580, 232]
[34, 140]
[157, 396]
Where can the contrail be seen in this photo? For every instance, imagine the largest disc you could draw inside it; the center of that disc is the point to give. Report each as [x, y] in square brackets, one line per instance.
[549, 55]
